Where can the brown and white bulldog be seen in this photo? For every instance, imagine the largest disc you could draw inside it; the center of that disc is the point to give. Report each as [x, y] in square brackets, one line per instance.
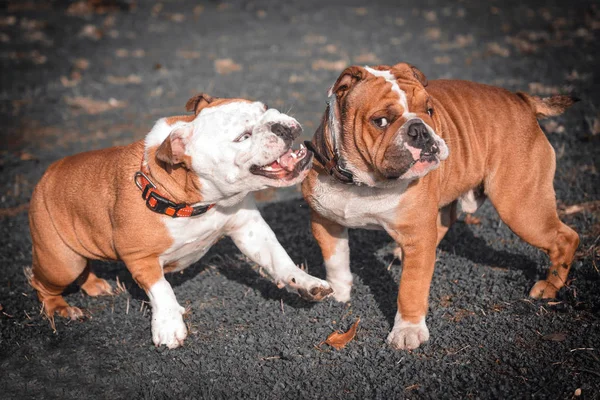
[160, 204]
[381, 148]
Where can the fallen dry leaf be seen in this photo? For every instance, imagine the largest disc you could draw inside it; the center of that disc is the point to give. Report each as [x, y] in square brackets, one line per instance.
[188, 54]
[198, 10]
[24, 156]
[318, 65]
[92, 106]
[367, 58]
[81, 63]
[311, 38]
[339, 340]
[361, 11]
[442, 60]
[496, 49]
[555, 337]
[433, 33]
[470, 219]
[226, 66]
[124, 80]
[91, 32]
[12, 211]
[587, 206]
[596, 126]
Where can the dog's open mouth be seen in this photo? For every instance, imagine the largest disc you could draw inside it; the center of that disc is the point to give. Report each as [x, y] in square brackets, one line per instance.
[288, 166]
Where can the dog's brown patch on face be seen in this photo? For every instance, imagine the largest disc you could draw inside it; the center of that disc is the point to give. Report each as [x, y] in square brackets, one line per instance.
[365, 145]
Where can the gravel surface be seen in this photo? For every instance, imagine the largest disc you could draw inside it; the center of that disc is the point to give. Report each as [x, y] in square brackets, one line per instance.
[84, 75]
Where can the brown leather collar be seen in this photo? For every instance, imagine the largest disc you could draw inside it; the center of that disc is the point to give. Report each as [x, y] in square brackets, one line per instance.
[160, 204]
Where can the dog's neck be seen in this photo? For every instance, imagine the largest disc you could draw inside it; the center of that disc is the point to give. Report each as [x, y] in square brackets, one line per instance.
[178, 183]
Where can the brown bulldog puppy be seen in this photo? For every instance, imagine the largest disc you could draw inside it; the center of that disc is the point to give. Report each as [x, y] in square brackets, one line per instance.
[159, 204]
[379, 152]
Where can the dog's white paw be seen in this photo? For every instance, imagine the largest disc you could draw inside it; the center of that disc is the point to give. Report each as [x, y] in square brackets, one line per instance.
[341, 290]
[309, 287]
[407, 335]
[168, 327]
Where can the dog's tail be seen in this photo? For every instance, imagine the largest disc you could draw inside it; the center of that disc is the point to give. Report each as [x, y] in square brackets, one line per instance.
[548, 106]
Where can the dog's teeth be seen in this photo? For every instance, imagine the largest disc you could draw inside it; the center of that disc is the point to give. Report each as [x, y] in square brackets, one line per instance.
[294, 155]
[301, 146]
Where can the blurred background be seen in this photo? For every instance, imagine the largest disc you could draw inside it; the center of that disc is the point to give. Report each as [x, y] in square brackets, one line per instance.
[80, 75]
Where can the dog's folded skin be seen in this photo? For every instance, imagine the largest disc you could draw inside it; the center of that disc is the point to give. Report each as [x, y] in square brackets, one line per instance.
[89, 206]
[402, 154]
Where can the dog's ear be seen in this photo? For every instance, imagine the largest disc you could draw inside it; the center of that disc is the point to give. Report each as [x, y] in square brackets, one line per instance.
[198, 102]
[346, 80]
[172, 149]
[405, 69]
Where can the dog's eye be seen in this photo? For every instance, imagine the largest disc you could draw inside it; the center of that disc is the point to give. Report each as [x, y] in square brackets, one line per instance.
[243, 136]
[381, 122]
[430, 111]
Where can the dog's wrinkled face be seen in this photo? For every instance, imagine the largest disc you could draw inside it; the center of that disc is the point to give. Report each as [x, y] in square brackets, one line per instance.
[237, 146]
[385, 120]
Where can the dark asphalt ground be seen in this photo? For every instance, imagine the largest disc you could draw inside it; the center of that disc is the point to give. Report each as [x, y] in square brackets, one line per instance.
[80, 76]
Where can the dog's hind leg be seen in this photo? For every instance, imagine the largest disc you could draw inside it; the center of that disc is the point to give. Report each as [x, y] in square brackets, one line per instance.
[92, 285]
[524, 197]
[54, 264]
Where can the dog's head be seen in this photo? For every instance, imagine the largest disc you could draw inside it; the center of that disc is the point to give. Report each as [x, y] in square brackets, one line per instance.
[383, 118]
[234, 146]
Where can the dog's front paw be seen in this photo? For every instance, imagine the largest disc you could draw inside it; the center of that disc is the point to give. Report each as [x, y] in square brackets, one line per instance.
[309, 287]
[408, 335]
[168, 327]
[341, 291]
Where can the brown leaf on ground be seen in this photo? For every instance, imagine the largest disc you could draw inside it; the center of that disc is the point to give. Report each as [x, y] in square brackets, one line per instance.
[80, 8]
[226, 66]
[188, 54]
[577, 208]
[312, 38]
[92, 106]
[367, 58]
[24, 156]
[470, 219]
[124, 80]
[9, 20]
[81, 63]
[318, 65]
[552, 126]
[91, 32]
[339, 340]
[177, 17]
[361, 11]
[198, 10]
[555, 337]
[433, 33]
[496, 49]
[442, 60]
[12, 211]
[596, 126]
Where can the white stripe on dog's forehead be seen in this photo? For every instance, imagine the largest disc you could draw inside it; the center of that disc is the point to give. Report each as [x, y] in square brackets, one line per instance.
[388, 76]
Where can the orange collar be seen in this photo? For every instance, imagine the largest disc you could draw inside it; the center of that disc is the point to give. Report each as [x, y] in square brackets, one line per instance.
[160, 204]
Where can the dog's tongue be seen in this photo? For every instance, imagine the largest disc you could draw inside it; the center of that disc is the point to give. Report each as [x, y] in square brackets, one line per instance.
[286, 161]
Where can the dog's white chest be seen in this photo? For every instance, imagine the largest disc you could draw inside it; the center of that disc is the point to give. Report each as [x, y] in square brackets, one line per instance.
[192, 237]
[356, 206]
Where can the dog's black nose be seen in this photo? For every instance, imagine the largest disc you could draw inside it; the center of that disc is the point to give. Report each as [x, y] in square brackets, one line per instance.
[286, 132]
[418, 135]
